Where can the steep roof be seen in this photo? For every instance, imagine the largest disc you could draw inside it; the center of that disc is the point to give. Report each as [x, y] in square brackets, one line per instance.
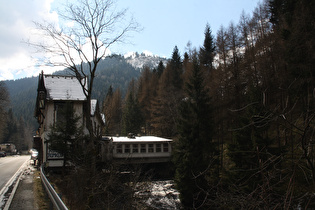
[63, 88]
[95, 110]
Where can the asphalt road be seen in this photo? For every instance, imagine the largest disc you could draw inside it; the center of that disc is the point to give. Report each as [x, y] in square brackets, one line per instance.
[9, 166]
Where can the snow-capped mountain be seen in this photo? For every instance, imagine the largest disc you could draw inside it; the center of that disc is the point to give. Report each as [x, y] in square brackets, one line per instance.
[146, 58]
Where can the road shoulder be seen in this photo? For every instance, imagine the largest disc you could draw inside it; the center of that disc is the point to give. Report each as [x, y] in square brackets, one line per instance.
[24, 195]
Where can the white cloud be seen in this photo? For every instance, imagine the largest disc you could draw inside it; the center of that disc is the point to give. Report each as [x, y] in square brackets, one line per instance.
[17, 65]
[16, 24]
[17, 59]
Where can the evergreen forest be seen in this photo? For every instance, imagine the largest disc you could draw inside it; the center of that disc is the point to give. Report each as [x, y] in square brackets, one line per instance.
[240, 109]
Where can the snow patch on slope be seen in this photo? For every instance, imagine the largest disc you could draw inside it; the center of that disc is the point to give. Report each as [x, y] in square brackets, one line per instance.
[146, 58]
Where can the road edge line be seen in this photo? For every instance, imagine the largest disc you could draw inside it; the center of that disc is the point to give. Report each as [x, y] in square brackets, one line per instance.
[15, 178]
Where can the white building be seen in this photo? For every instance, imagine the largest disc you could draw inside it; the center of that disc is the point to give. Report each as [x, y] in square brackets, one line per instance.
[137, 149]
[52, 94]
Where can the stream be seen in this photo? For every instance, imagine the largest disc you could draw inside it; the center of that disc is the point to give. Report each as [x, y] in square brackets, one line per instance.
[158, 194]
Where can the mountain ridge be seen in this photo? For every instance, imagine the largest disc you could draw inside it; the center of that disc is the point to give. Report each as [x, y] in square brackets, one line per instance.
[115, 70]
[144, 59]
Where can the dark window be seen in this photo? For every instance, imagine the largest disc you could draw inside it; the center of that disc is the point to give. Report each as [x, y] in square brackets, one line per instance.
[165, 147]
[42, 97]
[127, 148]
[119, 148]
[59, 111]
[135, 148]
[62, 109]
[158, 148]
[151, 148]
[143, 148]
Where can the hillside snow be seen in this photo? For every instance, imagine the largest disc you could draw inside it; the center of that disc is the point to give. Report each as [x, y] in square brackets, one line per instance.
[146, 58]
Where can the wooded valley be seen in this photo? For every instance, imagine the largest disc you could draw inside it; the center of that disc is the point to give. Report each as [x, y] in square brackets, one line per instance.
[240, 109]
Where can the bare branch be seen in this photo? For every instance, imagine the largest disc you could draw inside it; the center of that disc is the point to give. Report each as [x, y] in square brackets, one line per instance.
[96, 27]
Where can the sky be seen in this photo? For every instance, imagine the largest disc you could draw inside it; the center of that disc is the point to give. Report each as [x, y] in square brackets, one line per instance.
[165, 24]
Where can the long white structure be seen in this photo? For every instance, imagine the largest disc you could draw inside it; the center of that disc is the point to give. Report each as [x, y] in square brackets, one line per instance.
[144, 149]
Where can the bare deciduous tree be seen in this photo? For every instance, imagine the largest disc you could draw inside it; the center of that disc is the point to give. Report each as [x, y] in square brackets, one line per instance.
[95, 27]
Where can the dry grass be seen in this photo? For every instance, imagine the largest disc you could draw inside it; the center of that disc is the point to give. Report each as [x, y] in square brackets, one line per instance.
[40, 197]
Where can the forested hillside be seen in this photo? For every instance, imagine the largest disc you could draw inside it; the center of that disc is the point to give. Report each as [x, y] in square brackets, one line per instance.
[113, 71]
[22, 96]
[241, 110]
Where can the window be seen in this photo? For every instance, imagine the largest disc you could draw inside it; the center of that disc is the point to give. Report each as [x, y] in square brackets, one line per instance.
[127, 148]
[42, 97]
[63, 110]
[158, 148]
[165, 147]
[59, 111]
[118, 148]
[135, 148]
[151, 148]
[143, 148]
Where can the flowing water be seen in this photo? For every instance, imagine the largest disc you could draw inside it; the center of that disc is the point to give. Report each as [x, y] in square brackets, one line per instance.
[158, 194]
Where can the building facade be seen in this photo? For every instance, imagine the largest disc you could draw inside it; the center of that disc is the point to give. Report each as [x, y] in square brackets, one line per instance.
[53, 93]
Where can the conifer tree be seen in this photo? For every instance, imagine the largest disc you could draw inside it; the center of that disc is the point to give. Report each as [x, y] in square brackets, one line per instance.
[176, 69]
[160, 68]
[4, 98]
[11, 129]
[169, 93]
[251, 143]
[208, 49]
[294, 24]
[65, 136]
[195, 153]
[132, 117]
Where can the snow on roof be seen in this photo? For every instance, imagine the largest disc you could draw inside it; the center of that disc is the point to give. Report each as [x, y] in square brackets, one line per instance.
[140, 139]
[63, 88]
[93, 106]
[103, 118]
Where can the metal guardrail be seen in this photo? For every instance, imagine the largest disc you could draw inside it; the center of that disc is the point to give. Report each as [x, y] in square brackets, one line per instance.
[54, 197]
